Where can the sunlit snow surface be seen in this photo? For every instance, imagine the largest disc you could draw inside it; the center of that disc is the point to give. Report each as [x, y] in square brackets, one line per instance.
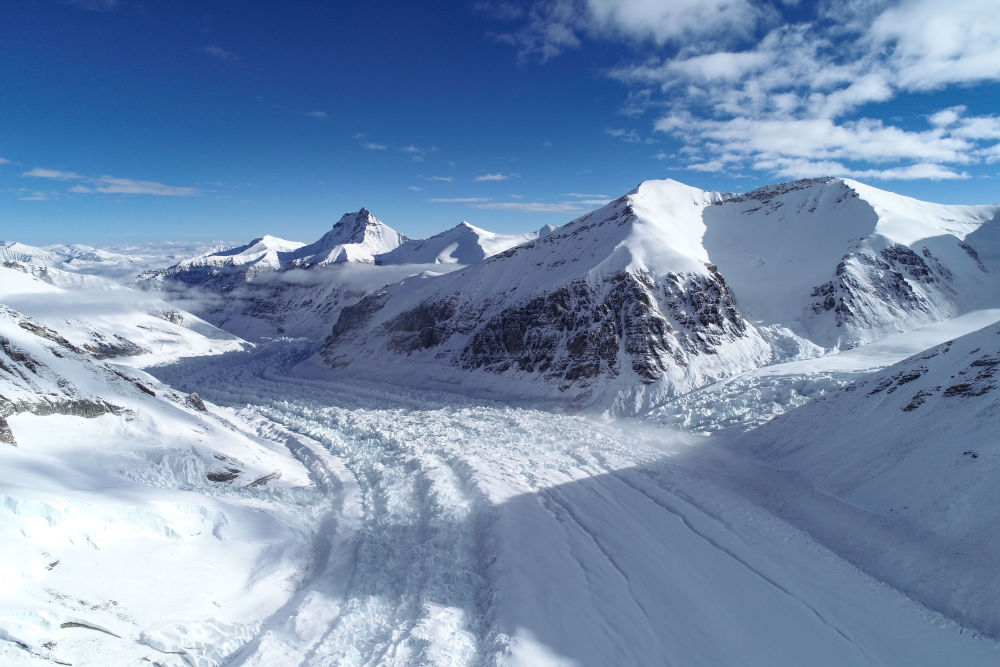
[460, 532]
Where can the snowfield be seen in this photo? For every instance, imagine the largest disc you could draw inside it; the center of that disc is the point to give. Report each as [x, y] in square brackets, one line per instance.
[416, 459]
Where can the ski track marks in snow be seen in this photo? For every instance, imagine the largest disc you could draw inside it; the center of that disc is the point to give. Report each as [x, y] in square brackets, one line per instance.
[465, 532]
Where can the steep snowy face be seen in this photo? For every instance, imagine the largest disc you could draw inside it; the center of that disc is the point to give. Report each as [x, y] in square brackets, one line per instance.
[842, 263]
[107, 321]
[463, 244]
[357, 237]
[619, 306]
[915, 448]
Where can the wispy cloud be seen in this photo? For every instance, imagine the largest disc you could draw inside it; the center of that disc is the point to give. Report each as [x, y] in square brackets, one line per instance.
[416, 153]
[4, 160]
[317, 114]
[54, 174]
[414, 188]
[496, 177]
[111, 184]
[534, 207]
[218, 52]
[581, 195]
[630, 136]
[443, 179]
[32, 195]
[459, 200]
[374, 147]
[554, 26]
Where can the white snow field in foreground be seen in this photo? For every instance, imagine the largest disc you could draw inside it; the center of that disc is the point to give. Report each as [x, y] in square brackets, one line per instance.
[471, 533]
[315, 522]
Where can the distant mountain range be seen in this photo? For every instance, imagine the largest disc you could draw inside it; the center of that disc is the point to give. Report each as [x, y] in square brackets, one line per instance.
[661, 291]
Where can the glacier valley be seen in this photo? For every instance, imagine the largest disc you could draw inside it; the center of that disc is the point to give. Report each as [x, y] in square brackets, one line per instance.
[688, 428]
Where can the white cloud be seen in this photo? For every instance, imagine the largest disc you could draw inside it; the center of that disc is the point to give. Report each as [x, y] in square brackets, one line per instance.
[551, 27]
[495, 177]
[55, 174]
[581, 195]
[806, 168]
[4, 160]
[218, 52]
[414, 188]
[317, 114]
[375, 147]
[811, 94]
[459, 200]
[33, 195]
[534, 207]
[443, 179]
[111, 184]
[934, 43]
[628, 136]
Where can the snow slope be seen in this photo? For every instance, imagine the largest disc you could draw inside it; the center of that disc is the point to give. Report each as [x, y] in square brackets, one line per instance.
[476, 533]
[108, 321]
[138, 523]
[619, 306]
[357, 237]
[463, 244]
[757, 396]
[842, 263]
[899, 471]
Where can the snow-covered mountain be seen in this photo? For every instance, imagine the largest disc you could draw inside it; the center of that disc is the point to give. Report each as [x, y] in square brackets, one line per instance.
[74, 257]
[670, 287]
[326, 516]
[104, 320]
[357, 237]
[122, 498]
[462, 244]
[230, 266]
[899, 471]
[621, 303]
[272, 287]
[842, 263]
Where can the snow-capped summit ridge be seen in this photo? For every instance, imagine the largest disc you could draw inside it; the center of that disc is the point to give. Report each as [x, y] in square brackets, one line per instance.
[356, 237]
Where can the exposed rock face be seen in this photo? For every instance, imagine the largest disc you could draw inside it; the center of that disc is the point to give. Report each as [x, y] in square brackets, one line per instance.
[577, 334]
[875, 290]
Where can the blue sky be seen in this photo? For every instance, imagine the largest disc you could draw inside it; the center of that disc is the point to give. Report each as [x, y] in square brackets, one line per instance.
[181, 120]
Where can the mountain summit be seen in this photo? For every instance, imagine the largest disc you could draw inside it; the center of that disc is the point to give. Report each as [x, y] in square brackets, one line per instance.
[356, 237]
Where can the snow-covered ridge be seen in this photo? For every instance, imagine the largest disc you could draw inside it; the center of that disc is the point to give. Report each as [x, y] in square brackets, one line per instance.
[682, 273]
[462, 244]
[617, 306]
[356, 237]
[842, 263]
[910, 453]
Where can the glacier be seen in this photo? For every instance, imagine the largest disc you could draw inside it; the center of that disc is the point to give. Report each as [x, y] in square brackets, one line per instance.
[687, 428]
